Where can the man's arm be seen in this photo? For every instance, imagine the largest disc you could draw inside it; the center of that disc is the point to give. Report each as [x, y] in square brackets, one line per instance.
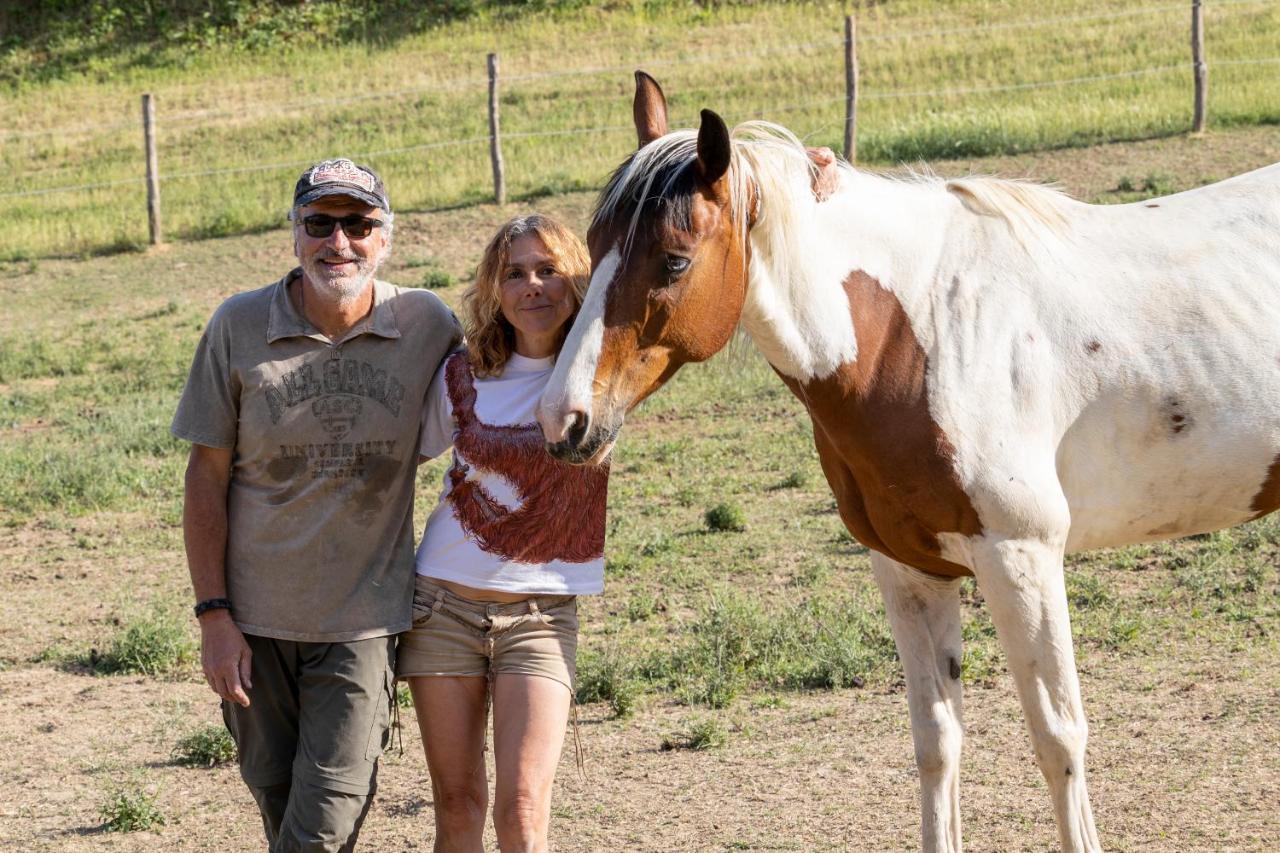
[224, 654]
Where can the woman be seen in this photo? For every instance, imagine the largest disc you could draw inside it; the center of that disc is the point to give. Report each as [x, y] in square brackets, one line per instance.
[516, 537]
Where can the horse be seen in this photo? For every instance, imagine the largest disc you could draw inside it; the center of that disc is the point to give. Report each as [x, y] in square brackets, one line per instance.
[997, 375]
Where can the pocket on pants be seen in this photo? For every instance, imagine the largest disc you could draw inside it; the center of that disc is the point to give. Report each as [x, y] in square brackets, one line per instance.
[380, 730]
[562, 617]
[423, 608]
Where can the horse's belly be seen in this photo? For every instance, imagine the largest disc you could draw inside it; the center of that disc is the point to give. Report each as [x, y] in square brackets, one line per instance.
[1140, 475]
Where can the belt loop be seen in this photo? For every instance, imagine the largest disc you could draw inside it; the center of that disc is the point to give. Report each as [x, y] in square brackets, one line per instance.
[533, 607]
[439, 602]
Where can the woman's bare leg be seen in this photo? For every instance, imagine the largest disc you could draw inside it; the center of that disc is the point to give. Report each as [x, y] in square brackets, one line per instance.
[451, 717]
[530, 714]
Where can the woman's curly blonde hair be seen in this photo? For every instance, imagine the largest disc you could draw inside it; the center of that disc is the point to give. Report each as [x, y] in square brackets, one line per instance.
[490, 337]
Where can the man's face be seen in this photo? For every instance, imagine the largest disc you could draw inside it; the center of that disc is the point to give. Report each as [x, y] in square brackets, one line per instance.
[339, 265]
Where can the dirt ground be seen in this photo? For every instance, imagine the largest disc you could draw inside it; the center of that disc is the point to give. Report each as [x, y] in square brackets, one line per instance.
[1185, 755]
[1185, 738]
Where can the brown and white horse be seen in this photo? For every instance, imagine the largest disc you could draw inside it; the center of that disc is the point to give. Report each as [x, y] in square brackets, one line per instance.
[996, 374]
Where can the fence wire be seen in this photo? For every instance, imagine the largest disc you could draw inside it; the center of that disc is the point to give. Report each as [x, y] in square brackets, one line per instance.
[194, 118]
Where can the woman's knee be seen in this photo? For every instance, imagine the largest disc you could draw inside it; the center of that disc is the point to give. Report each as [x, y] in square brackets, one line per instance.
[520, 816]
[460, 808]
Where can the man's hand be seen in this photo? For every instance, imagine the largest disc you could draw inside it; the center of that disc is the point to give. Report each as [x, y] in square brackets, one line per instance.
[225, 657]
[827, 176]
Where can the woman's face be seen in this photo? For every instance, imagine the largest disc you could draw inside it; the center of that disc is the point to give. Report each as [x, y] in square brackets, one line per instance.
[535, 298]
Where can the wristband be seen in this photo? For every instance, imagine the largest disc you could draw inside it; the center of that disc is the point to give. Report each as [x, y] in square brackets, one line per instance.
[211, 604]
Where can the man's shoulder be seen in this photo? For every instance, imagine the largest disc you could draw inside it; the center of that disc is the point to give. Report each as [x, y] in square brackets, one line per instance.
[413, 305]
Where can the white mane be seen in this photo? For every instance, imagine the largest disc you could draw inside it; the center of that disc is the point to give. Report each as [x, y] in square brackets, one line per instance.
[769, 166]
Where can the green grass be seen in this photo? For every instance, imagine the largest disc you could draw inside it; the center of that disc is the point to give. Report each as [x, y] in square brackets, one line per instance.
[154, 643]
[239, 118]
[208, 746]
[130, 809]
[699, 733]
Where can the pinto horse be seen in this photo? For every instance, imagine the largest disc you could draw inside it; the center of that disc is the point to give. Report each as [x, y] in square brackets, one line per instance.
[996, 375]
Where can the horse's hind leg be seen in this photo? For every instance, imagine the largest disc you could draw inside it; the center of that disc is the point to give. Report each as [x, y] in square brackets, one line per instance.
[1022, 583]
[924, 613]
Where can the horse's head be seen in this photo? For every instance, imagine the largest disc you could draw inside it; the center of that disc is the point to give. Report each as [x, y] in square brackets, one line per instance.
[669, 276]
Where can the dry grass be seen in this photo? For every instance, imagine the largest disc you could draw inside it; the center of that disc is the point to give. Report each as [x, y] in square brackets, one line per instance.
[1185, 752]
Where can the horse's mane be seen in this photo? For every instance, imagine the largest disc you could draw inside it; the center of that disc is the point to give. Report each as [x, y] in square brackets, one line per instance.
[770, 163]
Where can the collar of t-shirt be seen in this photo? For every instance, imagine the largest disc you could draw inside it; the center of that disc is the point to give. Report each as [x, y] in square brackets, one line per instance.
[518, 363]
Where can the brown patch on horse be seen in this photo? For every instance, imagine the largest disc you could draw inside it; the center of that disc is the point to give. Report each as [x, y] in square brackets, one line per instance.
[636, 318]
[1268, 497]
[562, 506]
[887, 460]
[1093, 346]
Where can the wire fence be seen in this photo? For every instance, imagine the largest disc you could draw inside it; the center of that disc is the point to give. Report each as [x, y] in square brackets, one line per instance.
[185, 157]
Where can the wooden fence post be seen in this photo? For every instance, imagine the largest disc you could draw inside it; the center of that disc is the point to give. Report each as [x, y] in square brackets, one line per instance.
[495, 144]
[153, 168]
[851, 89]
[1198, 64]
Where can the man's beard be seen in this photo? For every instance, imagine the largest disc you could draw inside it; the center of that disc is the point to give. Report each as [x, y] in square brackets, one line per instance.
[342, 290]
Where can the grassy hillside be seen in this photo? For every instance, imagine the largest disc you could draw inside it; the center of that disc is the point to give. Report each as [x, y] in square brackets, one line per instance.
[742, 692]
[240, 114]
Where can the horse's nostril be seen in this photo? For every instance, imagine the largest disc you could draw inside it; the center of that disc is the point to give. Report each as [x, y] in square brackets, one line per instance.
[578, 427]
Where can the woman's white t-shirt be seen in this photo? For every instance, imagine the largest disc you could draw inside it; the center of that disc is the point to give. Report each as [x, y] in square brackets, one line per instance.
[511, 517]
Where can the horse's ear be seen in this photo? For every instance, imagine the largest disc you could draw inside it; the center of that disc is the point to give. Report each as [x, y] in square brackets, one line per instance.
[713, 147]
[650, 109]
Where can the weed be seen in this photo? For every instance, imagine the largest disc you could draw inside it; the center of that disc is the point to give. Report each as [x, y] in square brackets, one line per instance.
[205, 747]
[698, 734]
[795, 480]
[1158, 183]
[725, 517]
[610, 677]
[1122, 629]
[153, 644]
[1086, 591]
[436, 279]
[404, 696]
[641, 606]
[130, 809]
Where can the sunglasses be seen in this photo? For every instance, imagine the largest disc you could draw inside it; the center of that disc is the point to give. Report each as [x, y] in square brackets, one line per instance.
[355, 226]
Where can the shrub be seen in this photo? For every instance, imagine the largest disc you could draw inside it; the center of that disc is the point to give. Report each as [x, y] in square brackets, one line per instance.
[130, 810]
[436, 279]
[609, 677]
[726, 517]
[206, 747]
[700, 733]
[154, 644]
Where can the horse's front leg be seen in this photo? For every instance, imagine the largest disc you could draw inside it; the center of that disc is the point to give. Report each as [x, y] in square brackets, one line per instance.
[924, 613]
[1022, 582]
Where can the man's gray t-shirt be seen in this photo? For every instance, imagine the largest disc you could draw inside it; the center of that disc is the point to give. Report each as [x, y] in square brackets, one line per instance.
[320, 503]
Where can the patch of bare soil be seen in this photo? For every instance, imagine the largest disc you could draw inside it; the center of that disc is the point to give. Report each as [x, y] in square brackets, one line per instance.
[1184, 756]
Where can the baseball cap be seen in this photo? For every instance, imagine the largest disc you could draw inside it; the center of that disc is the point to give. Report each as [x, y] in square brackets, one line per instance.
[341, 177]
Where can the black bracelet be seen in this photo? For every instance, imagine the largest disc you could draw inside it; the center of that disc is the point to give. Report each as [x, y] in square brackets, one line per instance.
[211, 604]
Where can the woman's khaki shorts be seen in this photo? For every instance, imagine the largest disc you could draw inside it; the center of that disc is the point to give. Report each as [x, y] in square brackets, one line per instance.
[452, 635]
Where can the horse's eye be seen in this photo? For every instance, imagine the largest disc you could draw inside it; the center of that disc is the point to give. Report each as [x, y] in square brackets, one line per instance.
[676, 266]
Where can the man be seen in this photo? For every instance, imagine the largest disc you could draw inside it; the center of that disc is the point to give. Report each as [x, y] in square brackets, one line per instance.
[303, 407]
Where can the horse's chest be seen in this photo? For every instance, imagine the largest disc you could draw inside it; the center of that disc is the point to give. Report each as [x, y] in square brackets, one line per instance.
[890, 467]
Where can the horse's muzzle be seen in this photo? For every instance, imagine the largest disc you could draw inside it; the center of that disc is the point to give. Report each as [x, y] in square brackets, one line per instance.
[583, 446]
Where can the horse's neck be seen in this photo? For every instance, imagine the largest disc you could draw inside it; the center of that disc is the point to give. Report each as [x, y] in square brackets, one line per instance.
[798, 309]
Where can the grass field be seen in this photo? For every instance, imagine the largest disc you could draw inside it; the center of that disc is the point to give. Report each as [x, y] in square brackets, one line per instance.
[235, 124]
[741, 690]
